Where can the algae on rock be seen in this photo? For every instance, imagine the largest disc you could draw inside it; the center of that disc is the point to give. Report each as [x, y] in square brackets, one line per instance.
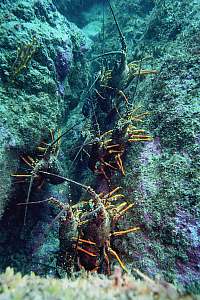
[35, 101]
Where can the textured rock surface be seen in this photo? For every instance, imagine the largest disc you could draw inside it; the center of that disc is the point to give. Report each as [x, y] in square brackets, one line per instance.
[42, 94]
[162, 177]
[74, 10]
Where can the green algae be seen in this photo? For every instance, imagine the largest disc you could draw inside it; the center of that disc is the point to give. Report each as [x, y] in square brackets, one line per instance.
[16, 287]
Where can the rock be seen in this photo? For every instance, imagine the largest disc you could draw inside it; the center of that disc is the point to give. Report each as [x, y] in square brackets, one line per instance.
[31, 103]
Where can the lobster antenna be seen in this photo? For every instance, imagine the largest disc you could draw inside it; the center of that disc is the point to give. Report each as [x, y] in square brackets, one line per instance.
[122, 38]
[103, 37]
[60, 136]
[103, 21]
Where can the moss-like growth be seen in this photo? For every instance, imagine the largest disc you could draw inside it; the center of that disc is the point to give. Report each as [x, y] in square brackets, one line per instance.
[15, 287]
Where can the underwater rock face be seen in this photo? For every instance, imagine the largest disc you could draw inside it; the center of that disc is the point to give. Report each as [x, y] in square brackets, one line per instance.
[162, 176]
[71, 8]
[40, 50]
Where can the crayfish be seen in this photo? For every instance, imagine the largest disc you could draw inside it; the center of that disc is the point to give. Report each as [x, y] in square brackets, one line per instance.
[45, 160]
[87, 230]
